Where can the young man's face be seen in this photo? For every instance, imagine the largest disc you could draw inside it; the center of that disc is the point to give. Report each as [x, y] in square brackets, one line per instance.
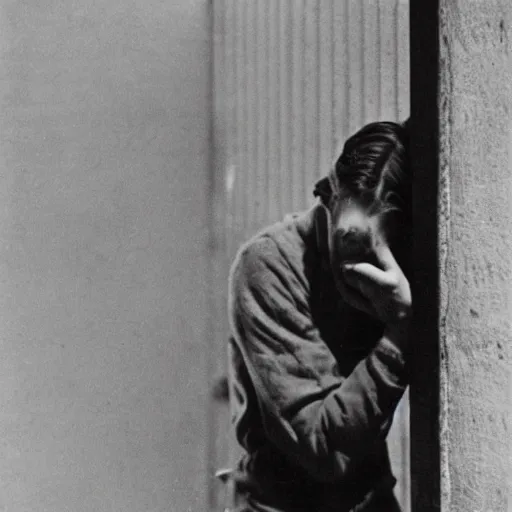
[356, 231]
[353, 236]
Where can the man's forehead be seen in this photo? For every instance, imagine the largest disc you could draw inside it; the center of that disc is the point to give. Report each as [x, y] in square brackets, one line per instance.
[351, 215]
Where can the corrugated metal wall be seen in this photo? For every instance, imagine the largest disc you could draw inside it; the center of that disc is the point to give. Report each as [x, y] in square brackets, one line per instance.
[292, 80]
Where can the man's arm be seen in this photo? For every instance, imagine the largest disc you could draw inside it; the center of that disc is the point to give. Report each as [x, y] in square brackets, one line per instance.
[319, 419]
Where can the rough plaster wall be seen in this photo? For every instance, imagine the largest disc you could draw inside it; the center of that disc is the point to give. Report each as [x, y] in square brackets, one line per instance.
[476, 247]
[103, 169]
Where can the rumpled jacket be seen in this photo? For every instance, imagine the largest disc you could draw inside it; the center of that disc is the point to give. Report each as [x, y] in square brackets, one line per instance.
[314, 384]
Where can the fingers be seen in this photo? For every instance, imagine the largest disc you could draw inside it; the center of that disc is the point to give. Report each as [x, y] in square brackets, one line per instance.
[385, 256]
[367, 274]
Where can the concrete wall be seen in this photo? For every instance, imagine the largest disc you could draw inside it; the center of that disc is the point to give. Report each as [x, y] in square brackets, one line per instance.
[475, 254]
[103, 233]
[472, 102]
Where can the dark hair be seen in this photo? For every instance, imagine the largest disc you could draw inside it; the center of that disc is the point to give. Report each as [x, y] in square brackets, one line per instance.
[374, 168]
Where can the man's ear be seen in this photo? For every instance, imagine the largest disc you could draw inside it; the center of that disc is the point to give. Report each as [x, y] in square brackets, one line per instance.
[323, 190]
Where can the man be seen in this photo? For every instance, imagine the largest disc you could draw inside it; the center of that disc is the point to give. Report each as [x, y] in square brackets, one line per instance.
[320, 308]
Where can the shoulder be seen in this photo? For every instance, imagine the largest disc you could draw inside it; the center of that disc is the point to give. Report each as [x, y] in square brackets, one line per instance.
[274, 260]
[257, 258]
[277, 250]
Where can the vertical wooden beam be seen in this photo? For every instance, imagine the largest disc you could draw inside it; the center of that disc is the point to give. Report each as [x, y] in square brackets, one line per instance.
[425, 356]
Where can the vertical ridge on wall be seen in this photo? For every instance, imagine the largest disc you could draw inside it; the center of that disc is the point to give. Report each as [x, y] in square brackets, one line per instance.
[218, 417]
[340, 76]
[355, 69]
[396, 22]
[403, 72]
[309, 106]
[247, 121]
[371, 66]
[261, 101]
[296, 119]
[229, 142]
[266, 147]
[274, 110]
[250, 59]
[325, 28]
[227, 145]
[388, 58]
[285, 103]
[294, 79]
[239, 72]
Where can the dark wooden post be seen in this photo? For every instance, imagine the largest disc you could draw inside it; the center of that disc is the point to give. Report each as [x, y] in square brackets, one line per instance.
[424, 391]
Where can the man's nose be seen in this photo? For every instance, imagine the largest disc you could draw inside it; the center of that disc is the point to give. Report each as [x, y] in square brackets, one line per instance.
[353, 244]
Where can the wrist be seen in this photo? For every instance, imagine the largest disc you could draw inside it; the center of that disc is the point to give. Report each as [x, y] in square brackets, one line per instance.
[398, 332]
[390, 361]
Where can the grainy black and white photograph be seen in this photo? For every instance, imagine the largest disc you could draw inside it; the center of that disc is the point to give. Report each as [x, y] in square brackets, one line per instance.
[256, 256]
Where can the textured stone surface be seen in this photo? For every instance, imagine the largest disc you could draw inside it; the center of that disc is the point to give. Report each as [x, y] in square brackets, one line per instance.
[475, 218]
